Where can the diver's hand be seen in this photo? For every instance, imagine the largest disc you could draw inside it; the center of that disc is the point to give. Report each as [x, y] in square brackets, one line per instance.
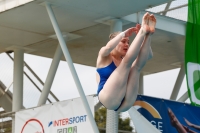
[130, 31]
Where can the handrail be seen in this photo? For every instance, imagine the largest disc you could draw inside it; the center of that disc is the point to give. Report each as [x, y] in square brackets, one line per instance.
[36, 78]
[173, 8]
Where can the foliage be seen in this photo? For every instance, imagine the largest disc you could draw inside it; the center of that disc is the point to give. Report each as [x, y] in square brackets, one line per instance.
[100, 118]
[124, 124]
[9, 129]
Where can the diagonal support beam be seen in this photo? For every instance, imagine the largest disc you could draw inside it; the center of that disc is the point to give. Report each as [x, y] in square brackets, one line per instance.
[5, 99]
[71, 66]
[167, 7]
[142, 125]
[50, 76]
[184, 97]
[165, 11]
[36, 78]
[178, 83]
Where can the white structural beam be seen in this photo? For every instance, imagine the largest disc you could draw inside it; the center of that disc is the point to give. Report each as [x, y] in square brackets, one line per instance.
[167, 10]
[29, 68]
[174, 26]
[138, 18]
[97, 106]
[36, 78]
[6, 102]
[178, 83]
[17, 83]
[71, 66]
[141, 124]
[141, 84]
[112, 116]
[50, 76]
[7, 4]
[115, 25]
[111, 121]
[18, 80]
[184, 97]
[167, 7]
[5, 99]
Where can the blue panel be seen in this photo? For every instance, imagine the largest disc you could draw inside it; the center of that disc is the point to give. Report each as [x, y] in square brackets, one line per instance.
[173, 115]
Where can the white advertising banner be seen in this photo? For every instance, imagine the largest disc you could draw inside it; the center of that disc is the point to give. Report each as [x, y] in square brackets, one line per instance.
[62, 117]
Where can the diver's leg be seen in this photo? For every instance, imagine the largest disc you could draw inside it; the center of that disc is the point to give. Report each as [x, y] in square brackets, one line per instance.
[135, 46]
[114, 89]
[133, 79]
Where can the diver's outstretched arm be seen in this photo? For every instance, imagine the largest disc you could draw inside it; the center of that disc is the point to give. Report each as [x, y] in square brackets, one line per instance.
[105, 51]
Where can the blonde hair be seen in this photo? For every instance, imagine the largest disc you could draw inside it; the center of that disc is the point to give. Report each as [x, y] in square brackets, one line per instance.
[114, 34]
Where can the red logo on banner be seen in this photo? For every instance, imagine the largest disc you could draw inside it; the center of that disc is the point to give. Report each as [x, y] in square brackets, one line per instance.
[33, 120]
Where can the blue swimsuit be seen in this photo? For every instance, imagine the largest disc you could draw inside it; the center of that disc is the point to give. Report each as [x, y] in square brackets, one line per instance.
[104, 74]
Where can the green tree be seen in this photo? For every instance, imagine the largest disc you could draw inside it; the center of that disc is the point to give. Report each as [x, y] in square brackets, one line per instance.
[9, 129]
[124, 124]
[100, 118]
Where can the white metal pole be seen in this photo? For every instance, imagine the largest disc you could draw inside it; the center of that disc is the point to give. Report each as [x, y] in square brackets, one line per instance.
[8, 87]
[17, 83]
[71, 66]
[111, 122]
[97, 106]
[184, 97]
[35, 77]
[141, 124]
[138, 18]
[18, 80]
[173, 8]
[116, 25]
[167, 7]
[112, 116]
[178, 83]
[50, 76]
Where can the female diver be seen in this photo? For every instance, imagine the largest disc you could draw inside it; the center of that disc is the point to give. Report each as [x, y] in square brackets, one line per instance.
[119, 65]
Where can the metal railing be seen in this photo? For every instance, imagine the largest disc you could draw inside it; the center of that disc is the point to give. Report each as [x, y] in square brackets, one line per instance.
[32, 83]
[6, 122]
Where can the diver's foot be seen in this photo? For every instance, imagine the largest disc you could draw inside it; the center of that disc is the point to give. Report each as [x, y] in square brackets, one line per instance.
[152, 23]
[145, 20]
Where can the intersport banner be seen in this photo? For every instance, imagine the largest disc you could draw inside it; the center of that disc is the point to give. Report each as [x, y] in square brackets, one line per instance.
[192, 51]
[62, 117]
[169, 116]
